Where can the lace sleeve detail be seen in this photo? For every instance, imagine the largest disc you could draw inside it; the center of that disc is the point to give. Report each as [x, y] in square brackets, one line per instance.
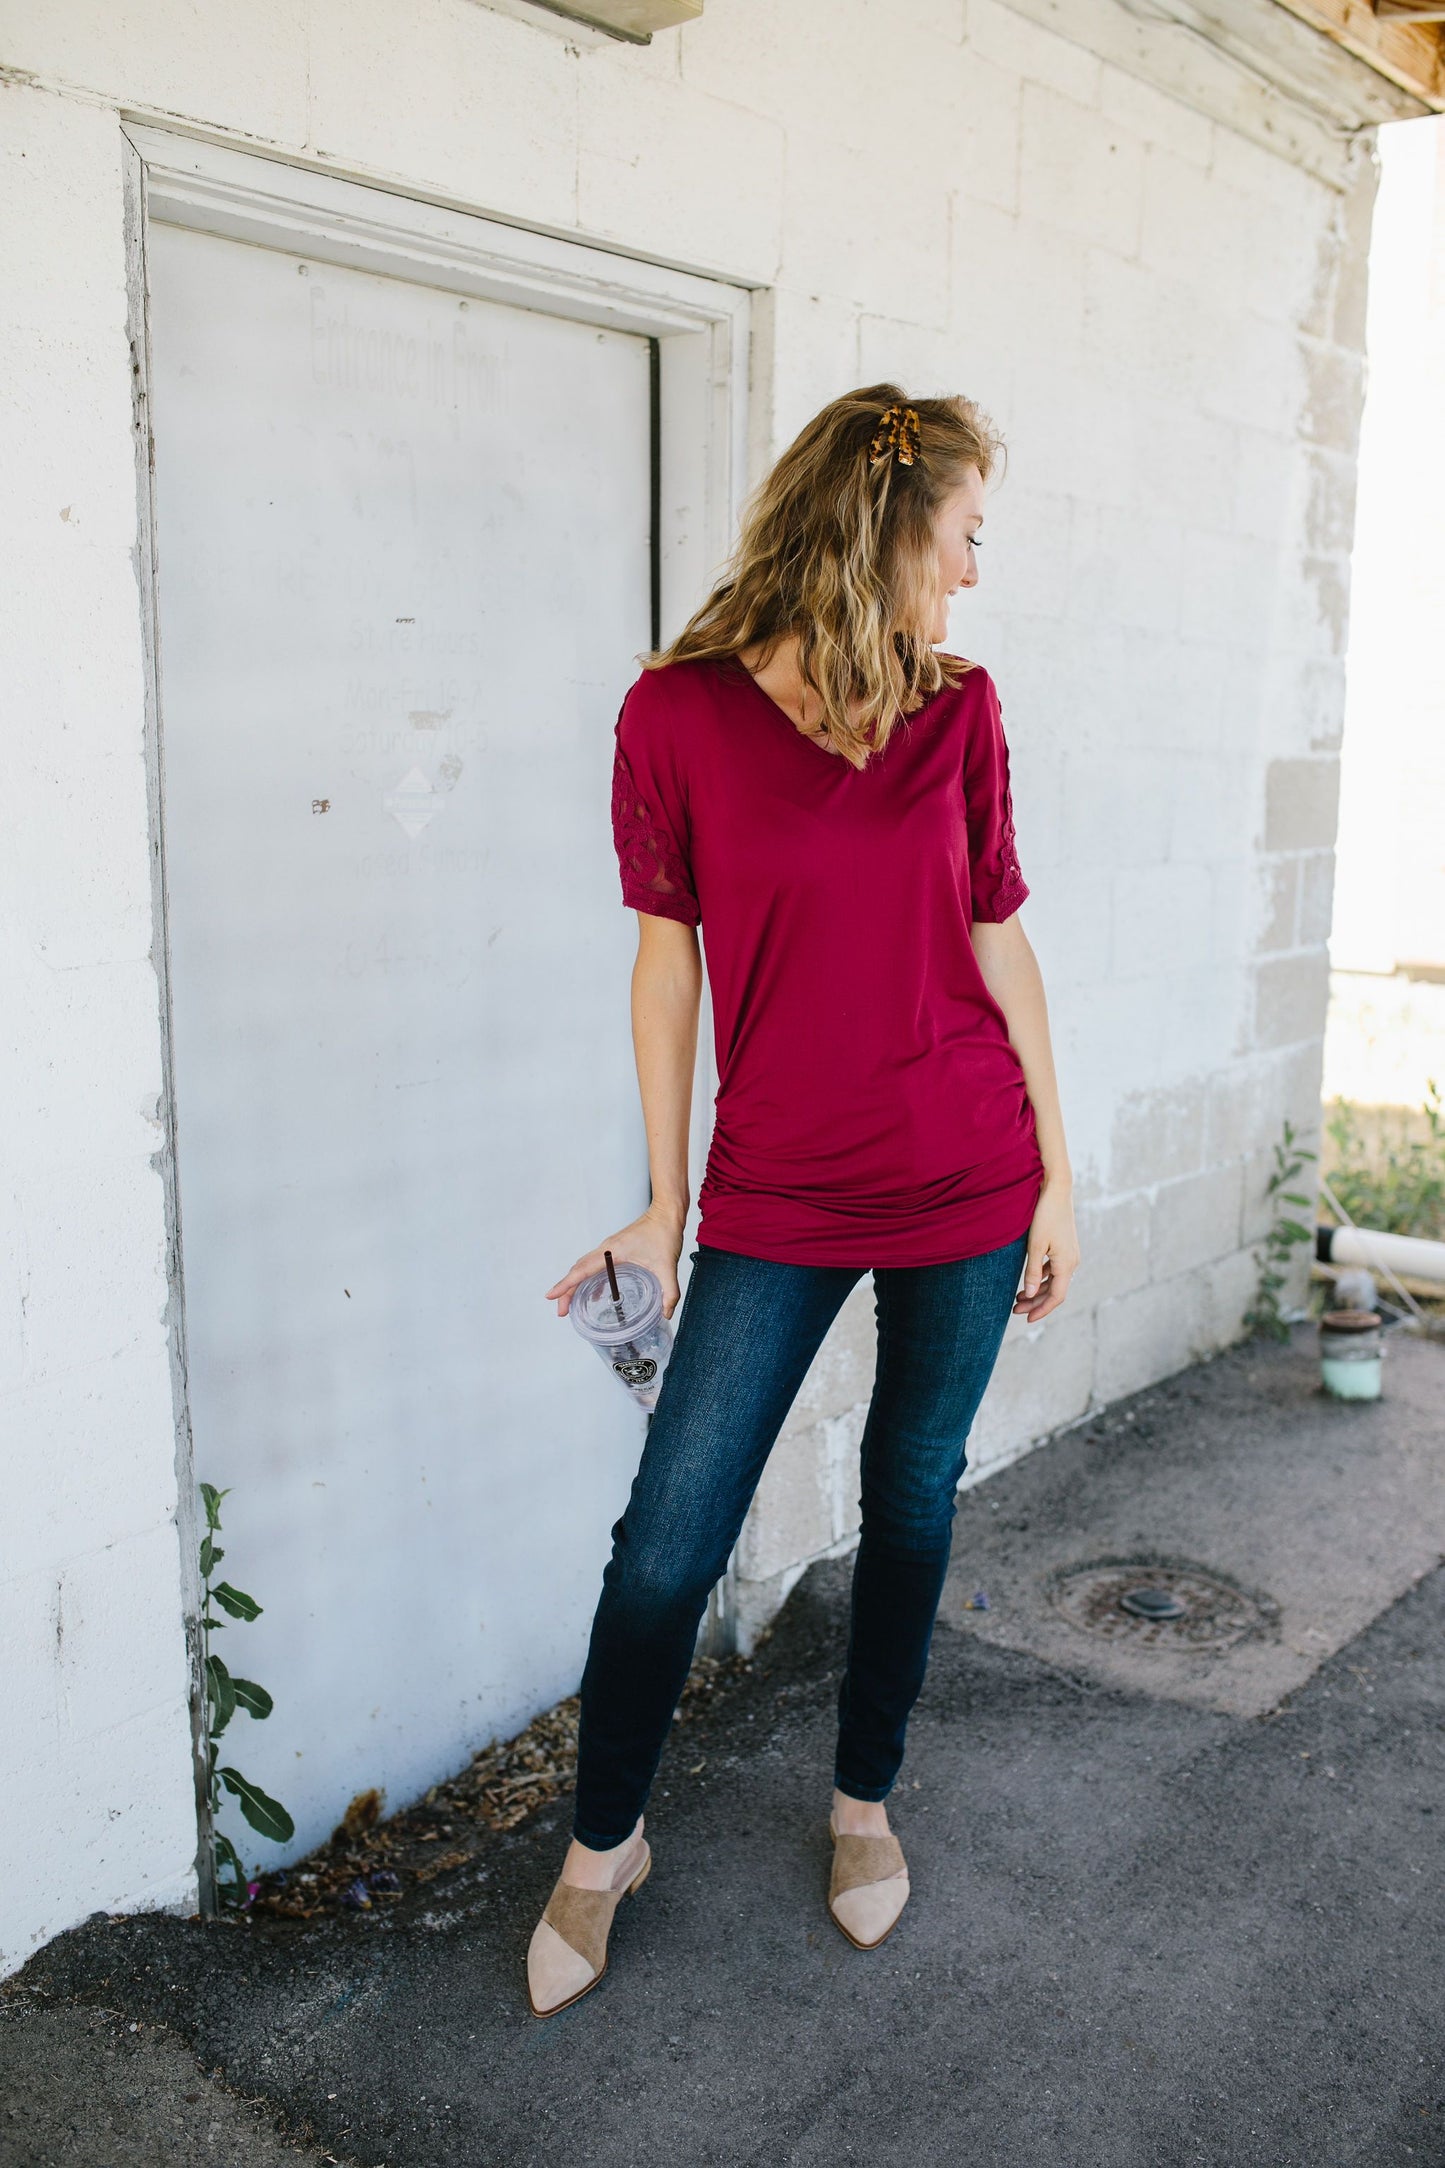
[654, 873]
[997, 887]
[1012, 889]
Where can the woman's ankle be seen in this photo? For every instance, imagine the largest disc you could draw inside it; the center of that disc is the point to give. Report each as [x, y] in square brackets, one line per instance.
[859, 1817]
[587, 1869]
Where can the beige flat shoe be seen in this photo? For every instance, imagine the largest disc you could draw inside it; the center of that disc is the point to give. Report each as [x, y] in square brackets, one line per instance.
[568, 1952]
[869, 1887]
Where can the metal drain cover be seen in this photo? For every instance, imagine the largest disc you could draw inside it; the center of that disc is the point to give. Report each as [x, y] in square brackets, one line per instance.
[1159, 1604]
[1154, 1602]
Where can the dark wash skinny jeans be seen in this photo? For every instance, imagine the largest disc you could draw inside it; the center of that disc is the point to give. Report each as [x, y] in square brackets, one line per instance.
[747, 1331]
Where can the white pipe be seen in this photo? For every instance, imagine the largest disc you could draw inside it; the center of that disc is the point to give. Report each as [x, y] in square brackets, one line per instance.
[1385, 1253]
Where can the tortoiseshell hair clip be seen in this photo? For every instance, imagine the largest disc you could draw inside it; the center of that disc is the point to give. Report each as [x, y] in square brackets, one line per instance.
[899, 433]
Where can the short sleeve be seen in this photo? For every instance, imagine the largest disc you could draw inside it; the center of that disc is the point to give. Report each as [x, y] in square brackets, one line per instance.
[996, 887]
[649, 808]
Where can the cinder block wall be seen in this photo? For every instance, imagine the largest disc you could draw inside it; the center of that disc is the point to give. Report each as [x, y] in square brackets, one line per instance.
[1159, 297]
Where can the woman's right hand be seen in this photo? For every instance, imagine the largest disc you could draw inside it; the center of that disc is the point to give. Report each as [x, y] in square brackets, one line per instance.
[654, 1240]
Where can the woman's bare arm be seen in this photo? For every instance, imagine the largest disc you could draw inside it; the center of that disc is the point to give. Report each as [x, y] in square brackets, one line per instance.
[666, 998]
[1011, 973]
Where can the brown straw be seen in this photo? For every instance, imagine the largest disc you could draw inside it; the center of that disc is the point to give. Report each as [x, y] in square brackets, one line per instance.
[616, 1290]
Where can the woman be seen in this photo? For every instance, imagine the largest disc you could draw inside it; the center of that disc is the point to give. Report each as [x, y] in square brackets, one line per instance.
[807, 777]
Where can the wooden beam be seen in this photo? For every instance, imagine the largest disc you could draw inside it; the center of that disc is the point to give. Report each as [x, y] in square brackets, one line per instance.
[1411, 54]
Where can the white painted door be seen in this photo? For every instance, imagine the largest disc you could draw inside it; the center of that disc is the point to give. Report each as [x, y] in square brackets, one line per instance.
[403, 572]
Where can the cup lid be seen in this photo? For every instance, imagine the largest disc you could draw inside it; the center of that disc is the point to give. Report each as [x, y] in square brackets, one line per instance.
[594, 1312]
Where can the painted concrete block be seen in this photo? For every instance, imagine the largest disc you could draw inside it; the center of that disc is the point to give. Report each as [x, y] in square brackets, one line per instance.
[1302, 805]
[92, 1300]
[1259, 1209]
[1245, 1108]
[1252, 379]
[1155, 118]
[1334, 394]
[1330, 512]
[1150, 330]
[925, 358]
[648, 157]
[1290, 995]
[1215, 811]
[112, 1827]
[1148, 1335]
[1230, 597]
[1070, 922]
[1231, 1285]
[1279, 885]
[398, 91]
[1207, 229]
[1317, 897]
[1312, 625]
[65, 426]
[1120, 814]
[1342, 280]
[791, 1516]
[1195, 1220]
[1262, 501]
[104, 1435]
[1063, 418]
[794, 1514]
[777, 64]
[171, 61]
[32, 1731]
[1114, 1242]
[807, 350]
[1027, 538]
[127, 1594]
[1043, 1379]
[999, 34]
[755, 1604]
[839, 237]
[64, 1094]
[1157, 1134]
[1128, 564]
[989, 120]
[1080, 171]
[1161, 920]
[77, 889]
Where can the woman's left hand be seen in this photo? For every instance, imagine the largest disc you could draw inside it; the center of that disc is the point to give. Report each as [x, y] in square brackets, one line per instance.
[1053, 1255]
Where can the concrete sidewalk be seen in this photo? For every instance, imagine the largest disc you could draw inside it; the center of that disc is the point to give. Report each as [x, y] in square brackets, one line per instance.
[1170, 1907]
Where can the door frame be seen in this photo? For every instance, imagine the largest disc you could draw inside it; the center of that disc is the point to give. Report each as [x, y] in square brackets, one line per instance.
[700, 329]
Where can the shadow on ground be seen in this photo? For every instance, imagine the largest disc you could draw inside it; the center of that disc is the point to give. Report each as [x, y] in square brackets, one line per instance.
[1144, 1929]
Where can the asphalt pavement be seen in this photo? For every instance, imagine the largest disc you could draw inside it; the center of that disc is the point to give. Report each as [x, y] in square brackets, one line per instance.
[1174, 1906]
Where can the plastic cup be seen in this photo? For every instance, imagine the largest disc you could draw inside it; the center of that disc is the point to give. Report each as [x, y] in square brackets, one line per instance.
[634, 1346]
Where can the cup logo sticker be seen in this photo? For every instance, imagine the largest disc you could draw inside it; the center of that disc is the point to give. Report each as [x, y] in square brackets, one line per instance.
[642, 1371]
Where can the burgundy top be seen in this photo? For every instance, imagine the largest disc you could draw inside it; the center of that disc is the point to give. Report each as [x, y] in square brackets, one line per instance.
[870, 1108]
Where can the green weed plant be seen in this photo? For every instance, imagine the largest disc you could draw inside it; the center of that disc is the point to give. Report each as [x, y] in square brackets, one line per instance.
[1265, 1318]
[225, 1694]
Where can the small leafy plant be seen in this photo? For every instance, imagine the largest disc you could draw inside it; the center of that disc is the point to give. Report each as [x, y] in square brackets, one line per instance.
[225, 1694]
[1397, 1185]
[1265, 1316]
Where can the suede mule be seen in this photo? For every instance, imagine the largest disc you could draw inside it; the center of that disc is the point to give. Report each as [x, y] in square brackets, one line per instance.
[568, 1953]
[868, 1888]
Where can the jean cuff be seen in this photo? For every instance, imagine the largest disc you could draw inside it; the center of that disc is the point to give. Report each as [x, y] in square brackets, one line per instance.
[872, 1793]
[596, 1842]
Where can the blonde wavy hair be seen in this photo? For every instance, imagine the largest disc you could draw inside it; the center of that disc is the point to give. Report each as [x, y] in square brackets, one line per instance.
[838, 548]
